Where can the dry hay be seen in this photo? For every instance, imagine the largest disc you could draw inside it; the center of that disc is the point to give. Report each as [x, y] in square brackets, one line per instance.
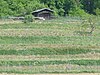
[54, 74]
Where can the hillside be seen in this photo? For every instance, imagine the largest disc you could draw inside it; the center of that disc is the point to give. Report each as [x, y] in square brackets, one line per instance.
[48, 47]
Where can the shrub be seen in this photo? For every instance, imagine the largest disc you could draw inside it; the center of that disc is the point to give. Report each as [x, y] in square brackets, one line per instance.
[28, 18]
[97, 11]
[78, 12]
[61, 12]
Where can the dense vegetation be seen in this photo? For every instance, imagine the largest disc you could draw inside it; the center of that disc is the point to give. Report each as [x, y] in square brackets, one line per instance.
[61, 7]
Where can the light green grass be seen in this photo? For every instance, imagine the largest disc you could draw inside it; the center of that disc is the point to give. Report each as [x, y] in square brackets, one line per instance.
[75, 40]
[48, 51]
[85, 62]
[56, 62]
[34, 42]
[31, 67]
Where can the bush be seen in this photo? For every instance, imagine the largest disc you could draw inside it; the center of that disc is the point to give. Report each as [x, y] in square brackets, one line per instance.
[28, 18]
[61, 12]
[97, 11]
[78, 12]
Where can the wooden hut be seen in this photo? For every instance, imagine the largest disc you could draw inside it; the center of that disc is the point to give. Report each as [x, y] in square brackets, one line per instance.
[45, 13]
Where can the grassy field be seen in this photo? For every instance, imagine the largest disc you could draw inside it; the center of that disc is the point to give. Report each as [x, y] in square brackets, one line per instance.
[48, 47]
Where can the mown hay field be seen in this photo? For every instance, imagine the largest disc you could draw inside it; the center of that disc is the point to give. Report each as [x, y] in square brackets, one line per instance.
[48, 47]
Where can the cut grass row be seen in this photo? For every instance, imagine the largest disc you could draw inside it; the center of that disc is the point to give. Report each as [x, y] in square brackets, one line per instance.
[75, 40]
[51, 69]
[31, 46]
[39, 25]
[48, 51]
[87, 56]
[45, 32]
[85, 62]
[68, 31]
[55, 62]
[31, 39]
[35, 32]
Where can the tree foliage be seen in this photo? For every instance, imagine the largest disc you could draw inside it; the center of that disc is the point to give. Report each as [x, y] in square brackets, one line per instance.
[61, 7]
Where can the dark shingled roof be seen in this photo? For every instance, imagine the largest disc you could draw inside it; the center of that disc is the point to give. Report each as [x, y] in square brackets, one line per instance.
[47, 9]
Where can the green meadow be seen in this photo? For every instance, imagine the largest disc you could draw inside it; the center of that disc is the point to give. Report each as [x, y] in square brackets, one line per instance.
[49, 47]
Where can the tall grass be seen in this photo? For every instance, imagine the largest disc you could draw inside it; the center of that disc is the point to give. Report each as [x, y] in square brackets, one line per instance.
[31, 63]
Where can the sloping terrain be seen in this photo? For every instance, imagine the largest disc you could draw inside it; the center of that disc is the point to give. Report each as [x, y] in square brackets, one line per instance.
[48, 47]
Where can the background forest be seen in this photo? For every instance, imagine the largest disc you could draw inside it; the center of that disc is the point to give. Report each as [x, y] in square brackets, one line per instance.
[61, 7]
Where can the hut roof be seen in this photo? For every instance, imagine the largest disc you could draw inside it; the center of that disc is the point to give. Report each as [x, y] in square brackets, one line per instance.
[44, 9]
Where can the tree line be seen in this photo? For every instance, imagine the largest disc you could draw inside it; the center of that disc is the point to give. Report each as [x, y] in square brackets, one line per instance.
[60, 7]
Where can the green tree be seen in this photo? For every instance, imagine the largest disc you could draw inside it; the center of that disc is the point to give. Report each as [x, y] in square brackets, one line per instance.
[89, 6]
[33, 5]
[61, 7]
[97, 11]
[4, 9]
[78, 12]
